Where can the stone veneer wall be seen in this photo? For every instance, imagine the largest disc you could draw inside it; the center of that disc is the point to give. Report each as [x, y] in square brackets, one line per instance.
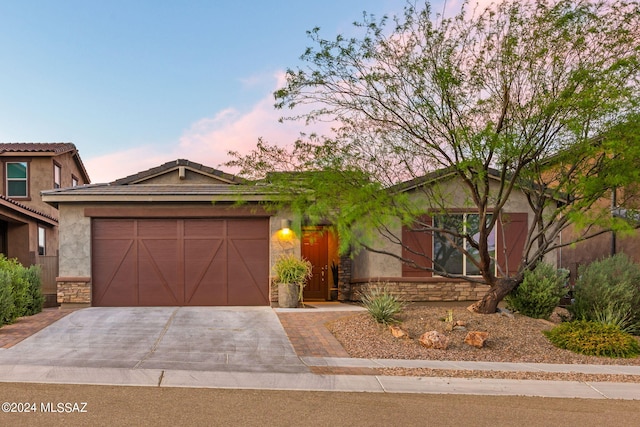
[421, 291]
[74, 291]
[344, 278]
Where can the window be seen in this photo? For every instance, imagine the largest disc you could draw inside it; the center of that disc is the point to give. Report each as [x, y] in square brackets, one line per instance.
[57, 176]
[74, 181]
[446, 253]
[17, 176]
[42, 240]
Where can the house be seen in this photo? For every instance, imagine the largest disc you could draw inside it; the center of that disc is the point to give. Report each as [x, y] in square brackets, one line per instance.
[169, 236]
[175, 235]
[29, 226]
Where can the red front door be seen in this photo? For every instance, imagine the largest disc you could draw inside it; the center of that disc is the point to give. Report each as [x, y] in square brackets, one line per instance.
[315, 249]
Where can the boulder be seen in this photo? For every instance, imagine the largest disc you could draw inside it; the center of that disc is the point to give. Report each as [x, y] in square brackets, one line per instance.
[398, 332]
[476, 338]
[434, 339]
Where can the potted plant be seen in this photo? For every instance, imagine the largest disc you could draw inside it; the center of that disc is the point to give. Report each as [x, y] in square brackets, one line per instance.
[291, 273]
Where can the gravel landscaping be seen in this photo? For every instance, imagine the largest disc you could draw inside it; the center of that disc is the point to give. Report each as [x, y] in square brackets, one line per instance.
[512, 338]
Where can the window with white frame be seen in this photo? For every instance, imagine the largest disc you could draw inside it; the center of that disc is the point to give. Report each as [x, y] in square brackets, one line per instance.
[57, 176]
[17, 175]
[42, 240]
[447, 254]
[74, 181]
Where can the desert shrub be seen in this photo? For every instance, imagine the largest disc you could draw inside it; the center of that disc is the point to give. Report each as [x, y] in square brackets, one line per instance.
[608, 291]
[34, 290]
[7, 306]
[539, 293]
[594, 339]
[20, 292]
[381, 304]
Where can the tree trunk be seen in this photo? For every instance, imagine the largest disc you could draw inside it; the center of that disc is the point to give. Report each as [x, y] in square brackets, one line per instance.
[489, 302]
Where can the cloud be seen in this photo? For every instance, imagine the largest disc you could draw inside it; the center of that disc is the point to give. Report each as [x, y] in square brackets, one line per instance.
[206, 141]
[116, 165]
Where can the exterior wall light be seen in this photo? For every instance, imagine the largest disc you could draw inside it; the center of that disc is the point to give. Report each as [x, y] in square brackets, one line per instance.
[285, 226]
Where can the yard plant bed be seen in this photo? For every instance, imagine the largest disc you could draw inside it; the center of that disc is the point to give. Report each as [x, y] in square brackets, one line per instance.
[514, 338]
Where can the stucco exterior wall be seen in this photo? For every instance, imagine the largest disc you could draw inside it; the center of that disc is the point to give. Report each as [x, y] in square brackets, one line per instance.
[75, 241]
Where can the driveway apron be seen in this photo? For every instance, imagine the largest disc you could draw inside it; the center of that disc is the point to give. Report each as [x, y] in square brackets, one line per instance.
[244, 339]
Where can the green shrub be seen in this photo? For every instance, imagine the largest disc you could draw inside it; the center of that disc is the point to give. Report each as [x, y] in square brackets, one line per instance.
[539, 293]
[608, 291]
[382, 305]
[594, 339]
[34, 289]
[20, 290]
[7, 307]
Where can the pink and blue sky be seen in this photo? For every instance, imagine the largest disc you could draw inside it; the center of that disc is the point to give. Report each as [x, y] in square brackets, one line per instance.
[136, 83]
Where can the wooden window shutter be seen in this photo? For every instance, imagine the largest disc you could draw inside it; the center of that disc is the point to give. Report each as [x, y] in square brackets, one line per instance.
[420, 242]
[511, 237]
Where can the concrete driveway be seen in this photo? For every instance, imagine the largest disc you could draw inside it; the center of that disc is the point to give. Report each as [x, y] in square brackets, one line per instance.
[249, 339]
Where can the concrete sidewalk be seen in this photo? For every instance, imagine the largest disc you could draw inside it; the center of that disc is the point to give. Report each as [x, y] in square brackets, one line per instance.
[314, 382]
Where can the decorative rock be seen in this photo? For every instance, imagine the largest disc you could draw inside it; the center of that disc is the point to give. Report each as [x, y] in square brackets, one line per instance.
[476, 338]
[560, 315]
[398, 332]
[459, 328]
[505, 313]
[434, 339]
[461, 323]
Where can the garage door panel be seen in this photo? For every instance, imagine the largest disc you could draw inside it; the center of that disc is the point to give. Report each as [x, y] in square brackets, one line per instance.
[248, 270]
[247, 228]
[204, 228]
[115, 289]
[205, 272]
[113, 229]
[157, 229]
[158, 279]
[115, 270]
[181, 261]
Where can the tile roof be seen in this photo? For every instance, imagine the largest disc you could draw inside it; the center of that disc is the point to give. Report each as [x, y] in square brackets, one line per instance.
[37, 147]
[159, 190]
[132, 179]
[10, 202]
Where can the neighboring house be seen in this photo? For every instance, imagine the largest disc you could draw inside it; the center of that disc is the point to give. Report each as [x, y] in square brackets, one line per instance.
[608, 243]
[29, 226]
[174, 235]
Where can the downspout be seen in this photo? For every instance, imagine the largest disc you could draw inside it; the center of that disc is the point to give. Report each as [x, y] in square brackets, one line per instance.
[613, 207]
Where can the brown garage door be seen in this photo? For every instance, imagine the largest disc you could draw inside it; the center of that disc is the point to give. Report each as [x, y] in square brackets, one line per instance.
[174, 262]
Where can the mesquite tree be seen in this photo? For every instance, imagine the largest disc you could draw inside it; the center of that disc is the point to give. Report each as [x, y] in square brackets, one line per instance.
[538, 96]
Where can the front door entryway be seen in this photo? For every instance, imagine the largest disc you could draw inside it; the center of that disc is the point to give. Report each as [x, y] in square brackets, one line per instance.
[316, 246]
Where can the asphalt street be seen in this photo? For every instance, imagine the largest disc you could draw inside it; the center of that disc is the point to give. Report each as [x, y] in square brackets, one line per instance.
[145, 406]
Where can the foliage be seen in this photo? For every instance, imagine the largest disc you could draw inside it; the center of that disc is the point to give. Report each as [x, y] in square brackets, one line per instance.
[34, 290]
[594, 339]
[540, 96]
[20, 292]
[608, 291]
[7, 306]
[292, 269]
[539, 293]
[381, 304]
